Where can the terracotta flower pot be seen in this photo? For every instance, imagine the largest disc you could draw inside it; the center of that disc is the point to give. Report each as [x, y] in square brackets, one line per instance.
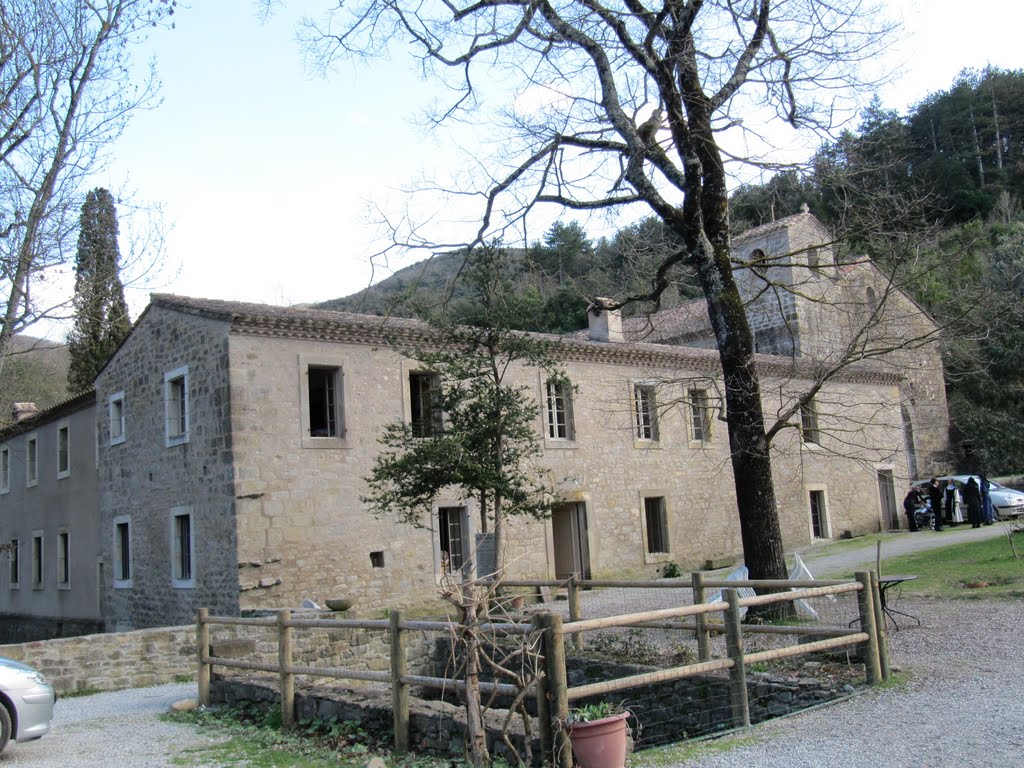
[600, 743]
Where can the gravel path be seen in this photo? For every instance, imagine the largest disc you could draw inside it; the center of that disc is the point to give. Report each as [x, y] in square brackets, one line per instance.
[120, 729]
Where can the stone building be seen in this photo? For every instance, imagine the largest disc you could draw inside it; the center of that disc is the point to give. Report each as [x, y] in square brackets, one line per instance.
[49, 537]
[233, 440]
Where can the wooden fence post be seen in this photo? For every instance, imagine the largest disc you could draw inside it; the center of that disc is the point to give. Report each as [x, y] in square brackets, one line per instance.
[702, 633]
[866, 606]
[203, 655]
[738, 673]
[575, 608]
[399, 690]
[556, 685]
[881, 631]
[284, 663]
[543, 693]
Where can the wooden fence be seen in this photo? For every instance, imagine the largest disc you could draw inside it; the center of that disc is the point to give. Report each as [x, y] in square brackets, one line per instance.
[551, 689]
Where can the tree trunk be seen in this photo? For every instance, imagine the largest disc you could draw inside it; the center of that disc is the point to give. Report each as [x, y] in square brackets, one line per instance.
[476, 739]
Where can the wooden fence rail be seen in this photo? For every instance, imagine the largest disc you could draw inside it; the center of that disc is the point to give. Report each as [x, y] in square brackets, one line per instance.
[552, 691]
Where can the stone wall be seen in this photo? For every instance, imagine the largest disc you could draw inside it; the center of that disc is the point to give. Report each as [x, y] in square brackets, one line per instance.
[23, 629]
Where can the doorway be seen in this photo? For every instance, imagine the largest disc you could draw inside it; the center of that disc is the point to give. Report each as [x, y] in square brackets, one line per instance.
[569, 538]
[887, 499]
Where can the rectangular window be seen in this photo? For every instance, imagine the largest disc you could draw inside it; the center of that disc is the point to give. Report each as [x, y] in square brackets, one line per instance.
[176, 406]
[645, 415]
[64, 559]
[115, 413]
[425, 404]
[559, 410]
[656, 521]
[31, 461]
[37, 559]
[15, 564]
[5, 469]
[63, 451]
[324, 402]
[122, 551]
[449, 528]
[819, 518]
[809, 422]
[181, 549]
[700, 423]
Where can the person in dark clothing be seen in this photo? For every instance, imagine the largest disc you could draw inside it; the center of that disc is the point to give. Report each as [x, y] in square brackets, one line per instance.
[972, 498]
[935, 495]
[988, 514]
[910, 505]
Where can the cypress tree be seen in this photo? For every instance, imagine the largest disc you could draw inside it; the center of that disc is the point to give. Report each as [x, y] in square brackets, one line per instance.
[101, 313]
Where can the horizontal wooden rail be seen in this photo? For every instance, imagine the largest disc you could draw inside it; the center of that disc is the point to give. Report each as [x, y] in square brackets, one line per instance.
[629, 619]
[756, 629]
[774, 583]
[647, 678]
[377, 624]
[799, 594]
[339, 672]
[248, 622]
[804, 648]
[460, 685]
[256, 666]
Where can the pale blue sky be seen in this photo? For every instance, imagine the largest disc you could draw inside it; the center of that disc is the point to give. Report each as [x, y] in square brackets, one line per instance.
[264, 170]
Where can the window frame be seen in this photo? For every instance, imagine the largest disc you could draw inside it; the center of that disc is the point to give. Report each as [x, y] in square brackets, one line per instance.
[63, 559]
[307, 363]
[700, 414]
[183, 560]
[32, 460]
[14, 565]
[415, 403]
[443, 533]
[63, 450]
[811, 492]
[661, 531]
[122, 552]
[810, 431]
[38, 555]
[183, 415]
[5, 468]
[116, 415]
[645, 413]
[558, 410]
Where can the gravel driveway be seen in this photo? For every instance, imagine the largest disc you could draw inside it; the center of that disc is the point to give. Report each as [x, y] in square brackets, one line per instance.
[121, 729]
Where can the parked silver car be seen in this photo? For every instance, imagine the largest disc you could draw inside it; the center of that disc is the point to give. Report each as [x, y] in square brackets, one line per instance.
[26, 702]
[1006, 502]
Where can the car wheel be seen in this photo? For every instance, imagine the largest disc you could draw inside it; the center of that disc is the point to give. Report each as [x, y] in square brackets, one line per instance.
[5, 726]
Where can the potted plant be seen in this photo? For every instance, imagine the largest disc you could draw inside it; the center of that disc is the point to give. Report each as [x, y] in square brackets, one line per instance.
[599, 735]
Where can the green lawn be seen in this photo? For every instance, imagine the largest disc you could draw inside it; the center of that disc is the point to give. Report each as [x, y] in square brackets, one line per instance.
[982, 569]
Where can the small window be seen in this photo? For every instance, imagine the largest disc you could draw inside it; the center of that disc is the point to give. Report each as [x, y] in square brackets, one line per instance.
[5, 469]
[63, 560]
[425, 404]
[116, 417]
[63, 451]
[324, 402]
[809, 422]
[182, 549]
[176, 406]
[37, 559]
[559, 411]
[377, 559]
[450, 538]
[645, 415]
[31, 461]
[122, 551]
[700, 423]
[812, 258]
[819, 515]
[14, 564]
[656, 522]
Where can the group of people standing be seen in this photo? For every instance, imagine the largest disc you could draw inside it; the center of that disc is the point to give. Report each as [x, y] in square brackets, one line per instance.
[944, 503]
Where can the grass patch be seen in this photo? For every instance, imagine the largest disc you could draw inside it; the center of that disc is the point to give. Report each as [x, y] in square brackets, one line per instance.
[88, 690]
[977, 569]
[255, 739]
[678, 754]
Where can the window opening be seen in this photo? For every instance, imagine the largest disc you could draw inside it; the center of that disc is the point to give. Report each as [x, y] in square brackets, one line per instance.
[657, 525]
[645, 417]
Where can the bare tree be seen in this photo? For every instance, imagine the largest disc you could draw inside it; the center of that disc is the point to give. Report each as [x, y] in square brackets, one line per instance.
[603, 70]
[67, 95]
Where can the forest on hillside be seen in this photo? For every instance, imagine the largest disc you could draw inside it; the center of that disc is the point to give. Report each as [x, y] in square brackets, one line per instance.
[933, 196]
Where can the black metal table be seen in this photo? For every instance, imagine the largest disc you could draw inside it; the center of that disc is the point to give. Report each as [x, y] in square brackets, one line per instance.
[885, 583]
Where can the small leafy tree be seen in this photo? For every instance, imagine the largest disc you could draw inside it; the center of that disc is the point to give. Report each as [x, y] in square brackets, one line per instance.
[486, 439]
[101, 313]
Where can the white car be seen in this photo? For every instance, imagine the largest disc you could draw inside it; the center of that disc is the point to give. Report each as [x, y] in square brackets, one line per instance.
[1006, 502]
[26, 702]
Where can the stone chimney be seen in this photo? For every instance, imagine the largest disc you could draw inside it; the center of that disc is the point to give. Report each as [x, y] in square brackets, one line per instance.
[605, 321]
[22, 411]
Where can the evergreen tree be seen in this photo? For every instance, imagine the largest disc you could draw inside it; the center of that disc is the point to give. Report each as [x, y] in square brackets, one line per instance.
[101, 313]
